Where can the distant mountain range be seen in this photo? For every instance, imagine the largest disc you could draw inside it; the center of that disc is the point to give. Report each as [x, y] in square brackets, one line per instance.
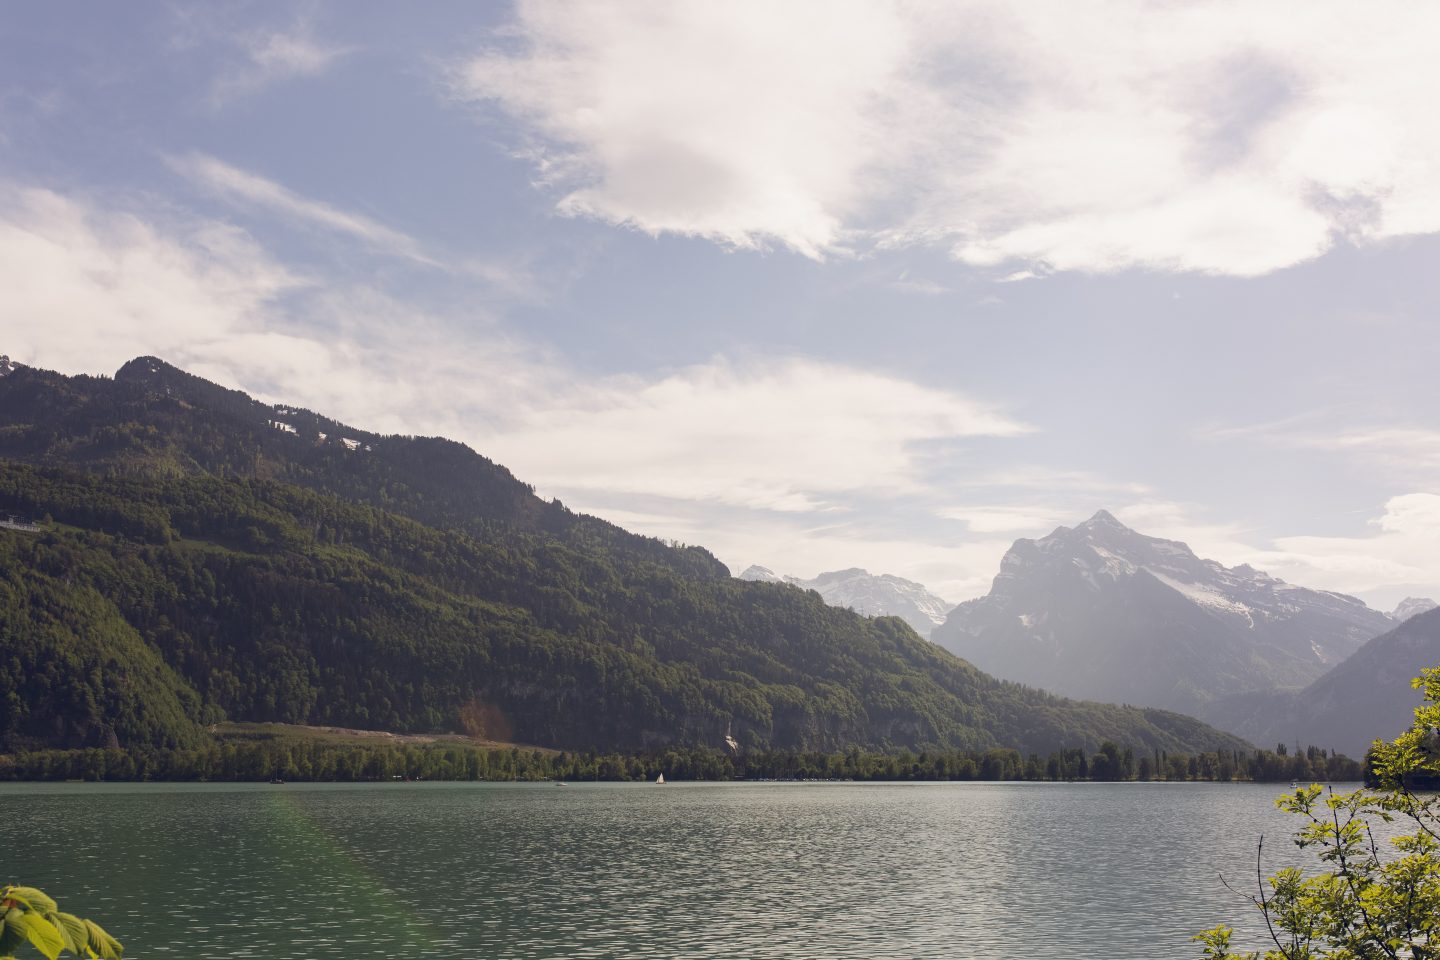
[884, 595]
[204, 556]
[1100, 611]
[1367, 697]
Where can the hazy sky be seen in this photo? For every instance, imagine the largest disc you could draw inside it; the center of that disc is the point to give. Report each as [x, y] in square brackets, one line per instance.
[816, 285]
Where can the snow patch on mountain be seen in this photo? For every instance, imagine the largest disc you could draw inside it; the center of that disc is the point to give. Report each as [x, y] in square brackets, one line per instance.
[870, 594]
[763, 575]
[1102, 612]
[1412, 607]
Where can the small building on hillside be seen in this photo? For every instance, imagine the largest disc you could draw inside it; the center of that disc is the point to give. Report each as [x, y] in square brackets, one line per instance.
[18, 521]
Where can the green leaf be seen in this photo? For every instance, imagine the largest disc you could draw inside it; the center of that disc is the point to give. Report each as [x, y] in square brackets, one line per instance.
[32, 898]
[104, 945]
[72, 929]
[40, 932]
[11, 937]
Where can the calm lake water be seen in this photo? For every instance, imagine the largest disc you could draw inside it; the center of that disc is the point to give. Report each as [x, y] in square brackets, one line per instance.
[635, 870]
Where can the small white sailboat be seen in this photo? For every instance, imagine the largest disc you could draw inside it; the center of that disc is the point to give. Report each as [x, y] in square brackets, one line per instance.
[660, 780]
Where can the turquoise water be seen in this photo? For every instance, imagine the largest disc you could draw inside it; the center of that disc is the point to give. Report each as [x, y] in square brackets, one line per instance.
[634, 870]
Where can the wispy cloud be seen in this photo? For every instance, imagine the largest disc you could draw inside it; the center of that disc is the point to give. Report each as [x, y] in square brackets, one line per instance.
[1018, 520]
[86, 285]
[1073, 483]
[1410, 451]
[240, 185]
[92, 286]
[270, 56]
[1402, 553]
[905, 283]
[786, 435]
[1409, 448]
[1205, 137]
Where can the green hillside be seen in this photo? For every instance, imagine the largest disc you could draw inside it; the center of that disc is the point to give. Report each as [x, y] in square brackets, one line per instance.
[200, 563]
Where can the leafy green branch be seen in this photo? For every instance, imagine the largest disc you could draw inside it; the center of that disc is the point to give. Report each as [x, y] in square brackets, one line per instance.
[34, 918]
[1370, 901]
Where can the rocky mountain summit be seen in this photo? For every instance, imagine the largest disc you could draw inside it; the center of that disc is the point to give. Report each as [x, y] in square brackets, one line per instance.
[1411, 607]
[1101, 611]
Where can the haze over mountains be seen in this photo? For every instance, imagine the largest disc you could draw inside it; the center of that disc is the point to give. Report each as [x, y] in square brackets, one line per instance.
[1367, 697]
[870, 594]
[1411, 607]
[1101, 611]
[206, 556]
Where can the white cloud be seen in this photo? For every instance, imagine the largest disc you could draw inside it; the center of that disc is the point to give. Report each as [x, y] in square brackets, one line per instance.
[1400, 555]
[792, 544]
[1174, 521]
[1072, 482]
[1011, 519]
[905, 283]
[89, 287]
[1408, 448]
[272, 56]
[1403, 453]
[233, 183]
[1403, 554]
[783, 436]
[82, 287]
[1212, 137]
[745, 124]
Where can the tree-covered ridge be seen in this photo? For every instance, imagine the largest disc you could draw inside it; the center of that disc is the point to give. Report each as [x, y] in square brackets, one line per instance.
[172, 588]
[153, 420]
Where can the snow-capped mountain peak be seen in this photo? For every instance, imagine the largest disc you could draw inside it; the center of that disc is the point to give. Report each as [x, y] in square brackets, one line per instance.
[864, 592]
[1101, 611]
[761, 574]
[1412, 607]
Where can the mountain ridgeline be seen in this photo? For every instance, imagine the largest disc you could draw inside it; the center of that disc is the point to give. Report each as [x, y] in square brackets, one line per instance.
[1100, 611]
[1366, 697]
[203, 556]
[855, 589]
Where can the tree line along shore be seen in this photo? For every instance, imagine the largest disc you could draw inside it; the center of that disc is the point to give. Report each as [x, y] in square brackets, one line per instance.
[297, 760]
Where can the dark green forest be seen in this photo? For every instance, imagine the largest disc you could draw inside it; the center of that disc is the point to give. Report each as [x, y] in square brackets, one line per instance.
[197, 563]
[290, 759]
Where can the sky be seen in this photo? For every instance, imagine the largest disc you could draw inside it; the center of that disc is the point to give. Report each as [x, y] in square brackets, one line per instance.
[815, 285]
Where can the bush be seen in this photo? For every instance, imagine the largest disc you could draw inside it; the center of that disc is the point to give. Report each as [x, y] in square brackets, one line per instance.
[1371, 900]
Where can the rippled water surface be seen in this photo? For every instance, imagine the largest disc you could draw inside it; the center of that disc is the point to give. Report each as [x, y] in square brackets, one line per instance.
[636, 870]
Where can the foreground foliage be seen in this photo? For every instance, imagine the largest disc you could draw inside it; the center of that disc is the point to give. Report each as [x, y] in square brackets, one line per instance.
[1373, 900]
[34, 918]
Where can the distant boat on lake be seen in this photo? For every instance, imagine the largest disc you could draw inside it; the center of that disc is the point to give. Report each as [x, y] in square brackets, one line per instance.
[660, 780]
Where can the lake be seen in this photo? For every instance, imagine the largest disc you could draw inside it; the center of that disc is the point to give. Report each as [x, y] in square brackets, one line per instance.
[797, 870]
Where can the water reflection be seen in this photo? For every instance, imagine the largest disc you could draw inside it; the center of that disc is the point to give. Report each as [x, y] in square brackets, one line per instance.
[705, 870]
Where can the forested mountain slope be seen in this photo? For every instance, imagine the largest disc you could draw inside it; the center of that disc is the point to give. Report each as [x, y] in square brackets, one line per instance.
[1367, 697]
[199, 561]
